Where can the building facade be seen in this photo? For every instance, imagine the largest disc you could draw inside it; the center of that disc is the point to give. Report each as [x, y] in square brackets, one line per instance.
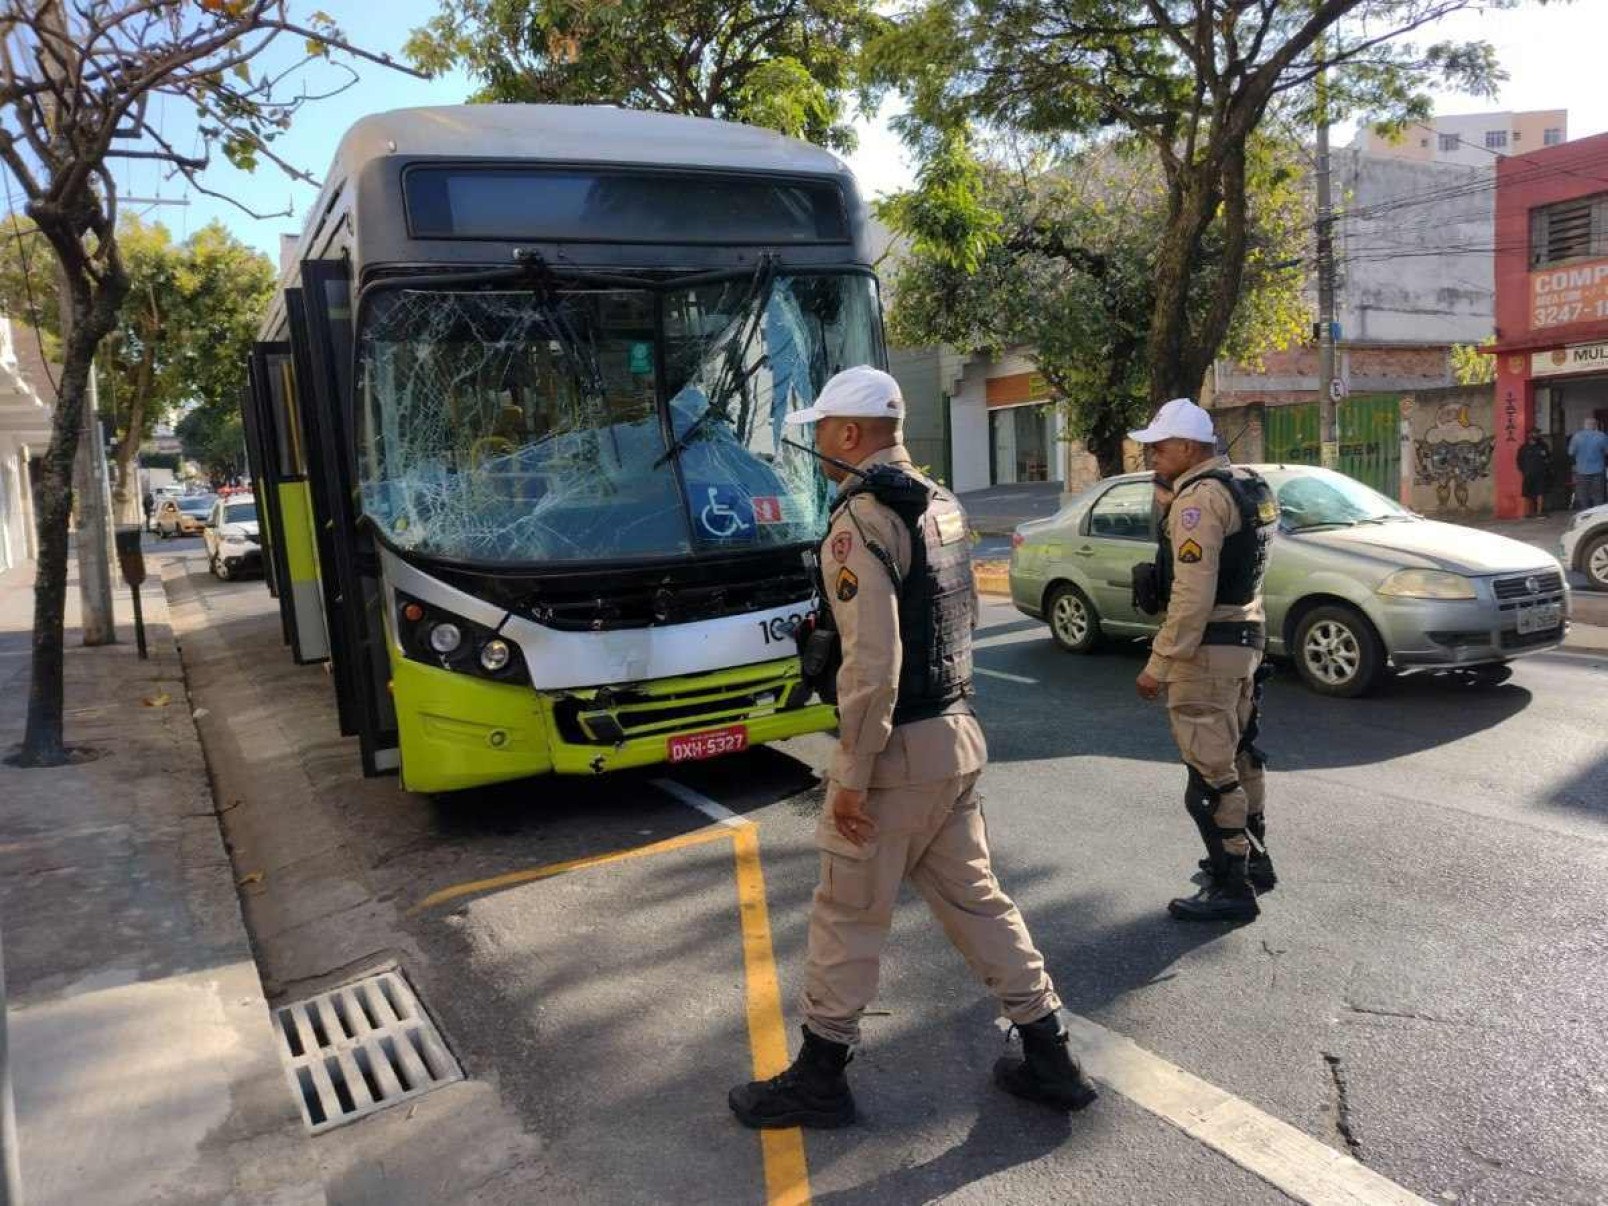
[1469, 139]
[1551, 304]
[25, 412]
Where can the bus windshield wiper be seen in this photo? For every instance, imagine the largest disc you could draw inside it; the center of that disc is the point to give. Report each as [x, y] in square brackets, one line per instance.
[734, 373]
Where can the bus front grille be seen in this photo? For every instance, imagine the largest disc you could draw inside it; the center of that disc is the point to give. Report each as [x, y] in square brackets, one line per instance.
[611, 717]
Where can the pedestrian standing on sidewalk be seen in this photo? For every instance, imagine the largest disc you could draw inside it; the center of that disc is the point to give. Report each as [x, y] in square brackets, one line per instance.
[895, 578]
[1207, 659]
[1535, 467]
[1589, 449]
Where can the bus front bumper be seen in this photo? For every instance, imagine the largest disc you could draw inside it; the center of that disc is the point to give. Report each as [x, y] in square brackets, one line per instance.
[458, 731]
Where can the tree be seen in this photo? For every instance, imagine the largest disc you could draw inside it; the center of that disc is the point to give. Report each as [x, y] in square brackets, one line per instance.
[1195, 80]
[785, 64]
[76, 86]
[1069, 277]
[214, 435]
[1473, 364]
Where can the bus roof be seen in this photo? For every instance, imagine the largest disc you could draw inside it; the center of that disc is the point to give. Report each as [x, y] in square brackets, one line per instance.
[575, 133]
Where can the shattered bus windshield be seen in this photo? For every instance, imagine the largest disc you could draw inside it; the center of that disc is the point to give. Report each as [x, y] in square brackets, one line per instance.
[520, 426]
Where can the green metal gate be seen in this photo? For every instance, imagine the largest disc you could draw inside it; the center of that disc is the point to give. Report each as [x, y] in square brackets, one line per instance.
[1370, 445]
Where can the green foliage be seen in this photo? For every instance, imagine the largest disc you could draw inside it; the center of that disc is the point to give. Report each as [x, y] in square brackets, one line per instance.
[214, 437]
[790, 66]
[1471, 366]
[160, 460]
[1066, 276]
[1193, 82]
[183, 332]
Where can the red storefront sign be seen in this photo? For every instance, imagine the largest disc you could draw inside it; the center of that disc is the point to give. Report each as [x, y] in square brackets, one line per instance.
[1569, 294]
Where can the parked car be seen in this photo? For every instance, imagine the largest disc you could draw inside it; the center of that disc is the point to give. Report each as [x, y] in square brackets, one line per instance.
[185, 516]
[1585, 546]
[233, 546]
[1356, 585]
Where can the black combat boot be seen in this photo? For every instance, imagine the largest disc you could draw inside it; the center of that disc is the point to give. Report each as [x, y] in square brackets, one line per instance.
[1260, 868]
[1226, 896]
[1046, 1071]
[813, 1092]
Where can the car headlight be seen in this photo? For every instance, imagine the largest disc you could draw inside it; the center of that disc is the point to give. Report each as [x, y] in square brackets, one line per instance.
[1427, 584]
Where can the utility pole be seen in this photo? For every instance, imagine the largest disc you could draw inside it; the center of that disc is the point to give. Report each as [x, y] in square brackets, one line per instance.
[1329, 385]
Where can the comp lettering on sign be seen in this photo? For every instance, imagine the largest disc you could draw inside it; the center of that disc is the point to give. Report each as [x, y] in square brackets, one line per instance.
[1570, 294]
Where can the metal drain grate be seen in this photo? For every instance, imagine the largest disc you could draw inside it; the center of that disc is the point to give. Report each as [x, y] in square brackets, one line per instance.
[360, 1048]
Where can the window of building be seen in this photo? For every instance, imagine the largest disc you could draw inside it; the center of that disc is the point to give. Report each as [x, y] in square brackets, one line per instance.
[1495, 140]
[1448, 142]
[1551, 136]
[1569, 230]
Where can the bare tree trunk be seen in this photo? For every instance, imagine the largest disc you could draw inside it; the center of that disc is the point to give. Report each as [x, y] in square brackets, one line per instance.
[94, 313]
[1173, 352]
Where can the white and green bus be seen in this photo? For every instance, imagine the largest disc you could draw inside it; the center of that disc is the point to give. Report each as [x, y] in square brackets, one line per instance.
[516, 422]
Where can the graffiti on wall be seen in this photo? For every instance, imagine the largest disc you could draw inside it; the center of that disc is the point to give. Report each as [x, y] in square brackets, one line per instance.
[1453, 454]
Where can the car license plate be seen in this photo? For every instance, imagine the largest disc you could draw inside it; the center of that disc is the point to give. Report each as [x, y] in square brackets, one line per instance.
[692, 747]
[1540, 618]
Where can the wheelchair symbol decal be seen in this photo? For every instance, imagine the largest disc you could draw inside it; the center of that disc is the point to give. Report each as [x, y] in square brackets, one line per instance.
[720, 518]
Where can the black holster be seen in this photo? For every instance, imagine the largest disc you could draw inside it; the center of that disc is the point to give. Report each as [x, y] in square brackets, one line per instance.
[820, 656]
[1147, 589]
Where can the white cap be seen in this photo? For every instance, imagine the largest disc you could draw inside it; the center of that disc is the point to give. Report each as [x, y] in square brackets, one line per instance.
[1180, 419]
[855, 393]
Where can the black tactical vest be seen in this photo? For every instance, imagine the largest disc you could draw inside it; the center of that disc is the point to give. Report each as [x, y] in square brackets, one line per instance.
[1243, 564]
[936, 605]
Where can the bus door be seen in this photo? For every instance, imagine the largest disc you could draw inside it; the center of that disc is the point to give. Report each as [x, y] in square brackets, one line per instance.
[284, 484]
[352, 565]
[255, 460]
[308, 401]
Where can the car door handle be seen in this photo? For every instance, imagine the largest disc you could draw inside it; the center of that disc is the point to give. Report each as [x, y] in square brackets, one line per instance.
[1085, 551]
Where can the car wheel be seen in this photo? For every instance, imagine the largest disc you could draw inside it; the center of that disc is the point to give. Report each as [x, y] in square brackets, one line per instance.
[1073, 621]
[221, 568]
[1337, 652]
[1594, 562]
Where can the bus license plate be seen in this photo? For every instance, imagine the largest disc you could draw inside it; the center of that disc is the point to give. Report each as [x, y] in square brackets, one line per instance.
[1541, 618]
[713, 744]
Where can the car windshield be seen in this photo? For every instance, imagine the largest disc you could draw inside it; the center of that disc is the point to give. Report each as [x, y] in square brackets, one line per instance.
[199, 505]
[601, 424]
[1319, 498]
[240, 513]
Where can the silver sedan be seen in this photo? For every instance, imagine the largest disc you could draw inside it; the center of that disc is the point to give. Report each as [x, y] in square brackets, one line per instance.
[1357, 584]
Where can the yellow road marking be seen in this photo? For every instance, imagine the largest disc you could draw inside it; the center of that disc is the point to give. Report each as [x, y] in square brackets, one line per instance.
[787, 1178]
[697, 837]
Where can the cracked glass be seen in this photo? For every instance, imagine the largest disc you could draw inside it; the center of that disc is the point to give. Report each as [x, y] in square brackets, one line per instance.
[572, 425]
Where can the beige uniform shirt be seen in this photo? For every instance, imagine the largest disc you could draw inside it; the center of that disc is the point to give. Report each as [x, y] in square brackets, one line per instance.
[865, 607]
[1203, 514]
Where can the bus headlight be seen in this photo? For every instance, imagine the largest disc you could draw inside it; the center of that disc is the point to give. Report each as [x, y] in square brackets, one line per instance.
[494, 655]
[445, 638]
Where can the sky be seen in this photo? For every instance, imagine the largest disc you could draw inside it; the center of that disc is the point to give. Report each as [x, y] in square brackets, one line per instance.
[1553, 55]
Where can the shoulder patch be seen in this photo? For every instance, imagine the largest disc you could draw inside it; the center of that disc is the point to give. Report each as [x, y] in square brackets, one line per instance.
[848, 585]
[1189, 552]
[1268, 510]
[1190, 518]
[842, 546]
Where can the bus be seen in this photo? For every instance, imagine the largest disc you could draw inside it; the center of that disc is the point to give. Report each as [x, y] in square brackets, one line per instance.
[515, 419]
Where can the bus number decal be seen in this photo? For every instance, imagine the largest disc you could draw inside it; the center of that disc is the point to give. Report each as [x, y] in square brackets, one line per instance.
[779, 628]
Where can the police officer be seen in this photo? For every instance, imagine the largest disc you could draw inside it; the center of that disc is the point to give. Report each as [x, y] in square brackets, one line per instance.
[1207, 659]
[895, 576]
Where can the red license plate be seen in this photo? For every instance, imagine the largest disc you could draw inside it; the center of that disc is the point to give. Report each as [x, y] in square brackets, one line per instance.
[712, 744]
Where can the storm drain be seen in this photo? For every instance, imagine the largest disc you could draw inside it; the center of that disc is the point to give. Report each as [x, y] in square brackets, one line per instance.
[360, 1048]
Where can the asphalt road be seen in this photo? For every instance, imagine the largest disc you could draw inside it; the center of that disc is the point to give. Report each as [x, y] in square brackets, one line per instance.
[1424, 990]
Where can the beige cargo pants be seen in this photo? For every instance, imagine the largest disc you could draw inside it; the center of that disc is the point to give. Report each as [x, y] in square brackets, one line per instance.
[1208, 717]
[933, 835]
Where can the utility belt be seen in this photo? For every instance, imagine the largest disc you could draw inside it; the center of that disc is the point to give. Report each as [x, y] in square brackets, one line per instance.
[931, 709]
[1246, 634]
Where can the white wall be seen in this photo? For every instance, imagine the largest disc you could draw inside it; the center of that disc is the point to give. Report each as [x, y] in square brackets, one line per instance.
[14, 512]
[968, 430]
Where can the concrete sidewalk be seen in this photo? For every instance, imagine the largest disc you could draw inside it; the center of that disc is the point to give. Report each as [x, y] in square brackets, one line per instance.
[145, 1063]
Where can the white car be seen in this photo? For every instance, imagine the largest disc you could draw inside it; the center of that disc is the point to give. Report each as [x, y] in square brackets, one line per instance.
[1584, 548]
[231, 535]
